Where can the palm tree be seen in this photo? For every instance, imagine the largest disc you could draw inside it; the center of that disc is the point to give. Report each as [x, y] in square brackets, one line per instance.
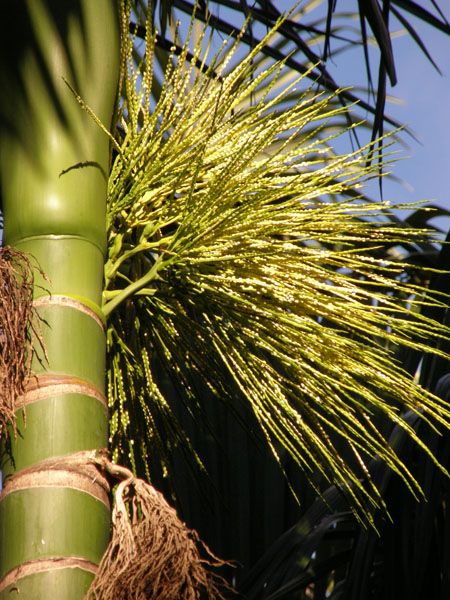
[194, 237]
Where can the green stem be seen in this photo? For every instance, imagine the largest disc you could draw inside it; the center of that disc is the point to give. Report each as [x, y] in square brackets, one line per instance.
[54, 526]
[136, 286]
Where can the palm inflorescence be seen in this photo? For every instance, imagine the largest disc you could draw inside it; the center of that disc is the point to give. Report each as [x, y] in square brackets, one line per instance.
[242, 256]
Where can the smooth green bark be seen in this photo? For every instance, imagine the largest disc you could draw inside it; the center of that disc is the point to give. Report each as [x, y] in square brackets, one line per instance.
[36, 513]
[69, 584]
[53, 165]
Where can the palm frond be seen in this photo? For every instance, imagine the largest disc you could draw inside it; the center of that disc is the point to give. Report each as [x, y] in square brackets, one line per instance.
[326, 554]
[333, 29]
[228, 262]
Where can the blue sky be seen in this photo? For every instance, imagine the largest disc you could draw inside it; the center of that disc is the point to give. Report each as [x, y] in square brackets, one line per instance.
[424, 107]
[427, 110]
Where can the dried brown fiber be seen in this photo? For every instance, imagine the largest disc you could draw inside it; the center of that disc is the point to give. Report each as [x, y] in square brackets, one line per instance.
[18, 329]
[152, 554]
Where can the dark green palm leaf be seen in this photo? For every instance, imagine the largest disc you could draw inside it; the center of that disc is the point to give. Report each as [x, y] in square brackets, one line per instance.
[328, 555]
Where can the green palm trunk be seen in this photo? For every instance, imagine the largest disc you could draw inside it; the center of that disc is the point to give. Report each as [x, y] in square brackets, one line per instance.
[54, 515]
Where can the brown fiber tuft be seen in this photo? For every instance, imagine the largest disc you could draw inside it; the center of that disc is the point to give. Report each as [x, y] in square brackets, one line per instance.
[152, 554]
[18, 329]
